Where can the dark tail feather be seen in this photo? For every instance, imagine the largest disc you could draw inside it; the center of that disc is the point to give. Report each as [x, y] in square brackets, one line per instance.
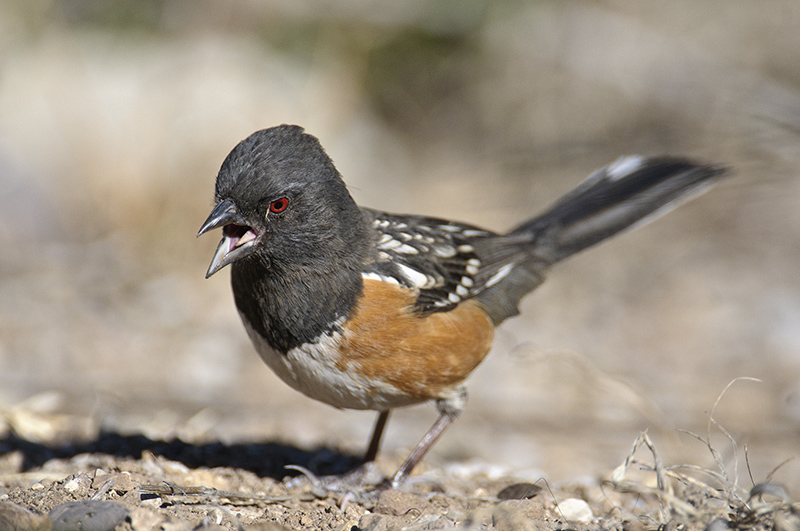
[629, 192]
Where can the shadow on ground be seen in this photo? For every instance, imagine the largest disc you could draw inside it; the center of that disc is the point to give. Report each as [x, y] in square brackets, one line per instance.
[264, 459]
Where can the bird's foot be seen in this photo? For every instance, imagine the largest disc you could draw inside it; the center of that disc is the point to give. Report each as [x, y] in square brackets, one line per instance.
[362, 485]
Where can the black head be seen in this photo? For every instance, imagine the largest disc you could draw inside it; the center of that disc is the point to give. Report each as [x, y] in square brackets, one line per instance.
[281, 202]
[295, 237]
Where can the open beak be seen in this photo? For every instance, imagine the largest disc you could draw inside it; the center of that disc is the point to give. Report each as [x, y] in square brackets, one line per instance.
[238, 239]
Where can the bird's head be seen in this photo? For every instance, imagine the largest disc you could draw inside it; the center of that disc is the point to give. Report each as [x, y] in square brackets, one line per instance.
[280, 201]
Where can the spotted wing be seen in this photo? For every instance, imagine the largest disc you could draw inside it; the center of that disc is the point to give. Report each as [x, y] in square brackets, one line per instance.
[440, 259]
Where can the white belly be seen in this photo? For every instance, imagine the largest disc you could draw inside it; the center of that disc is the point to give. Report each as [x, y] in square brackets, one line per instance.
[312, 369]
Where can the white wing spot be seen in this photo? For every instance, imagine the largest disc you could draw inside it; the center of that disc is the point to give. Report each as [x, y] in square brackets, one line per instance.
[418, 279]
[444, 251]
[461, 290]
[406, 249]
[500, 275]
[452, 297]
[450, 228]
[466, 248]
[466, 281]
[389, 244]
[624, 166]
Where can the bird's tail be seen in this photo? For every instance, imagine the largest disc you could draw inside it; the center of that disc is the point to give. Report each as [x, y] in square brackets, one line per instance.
[627, 193]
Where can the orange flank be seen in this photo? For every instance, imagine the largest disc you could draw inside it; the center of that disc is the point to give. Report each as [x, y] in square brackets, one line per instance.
[421, 356]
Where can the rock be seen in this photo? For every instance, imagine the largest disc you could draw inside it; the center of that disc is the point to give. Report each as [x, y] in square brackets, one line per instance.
[88, 515]
[519, 491]
[575, 510]
[16, 518]
[121, 483]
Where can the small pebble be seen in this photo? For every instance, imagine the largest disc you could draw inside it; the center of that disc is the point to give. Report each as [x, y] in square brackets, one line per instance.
[152, 502]
[72, 485]
[519, 491]
[100, 477]
[78, 484]
[575, 510]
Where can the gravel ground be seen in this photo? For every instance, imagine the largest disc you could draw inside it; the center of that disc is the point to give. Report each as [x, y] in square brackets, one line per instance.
[133, 483]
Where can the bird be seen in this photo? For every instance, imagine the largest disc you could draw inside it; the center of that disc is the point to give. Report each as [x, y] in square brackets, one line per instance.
[368, 310]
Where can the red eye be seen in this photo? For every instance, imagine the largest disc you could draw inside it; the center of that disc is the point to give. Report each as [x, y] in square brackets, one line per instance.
[279, 205]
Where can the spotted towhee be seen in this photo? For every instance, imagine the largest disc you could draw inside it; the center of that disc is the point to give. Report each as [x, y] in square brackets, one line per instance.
[367, 310]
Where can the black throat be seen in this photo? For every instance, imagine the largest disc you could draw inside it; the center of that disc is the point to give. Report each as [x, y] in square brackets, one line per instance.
[290, 308]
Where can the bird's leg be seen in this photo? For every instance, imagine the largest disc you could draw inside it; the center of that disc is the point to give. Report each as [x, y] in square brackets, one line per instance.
[358, 477]
[362, 476]
[422, 448]
[377, 433]
[449, 410]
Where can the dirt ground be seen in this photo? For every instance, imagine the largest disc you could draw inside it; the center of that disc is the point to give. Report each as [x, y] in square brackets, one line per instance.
[120, 482]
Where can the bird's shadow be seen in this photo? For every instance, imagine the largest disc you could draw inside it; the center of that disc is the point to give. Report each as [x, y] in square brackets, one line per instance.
[264, 459]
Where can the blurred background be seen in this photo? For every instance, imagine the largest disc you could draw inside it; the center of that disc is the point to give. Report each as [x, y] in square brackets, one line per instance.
[115, 117]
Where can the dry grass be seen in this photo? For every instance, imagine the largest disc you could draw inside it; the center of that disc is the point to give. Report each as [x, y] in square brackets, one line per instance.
[696, 497]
